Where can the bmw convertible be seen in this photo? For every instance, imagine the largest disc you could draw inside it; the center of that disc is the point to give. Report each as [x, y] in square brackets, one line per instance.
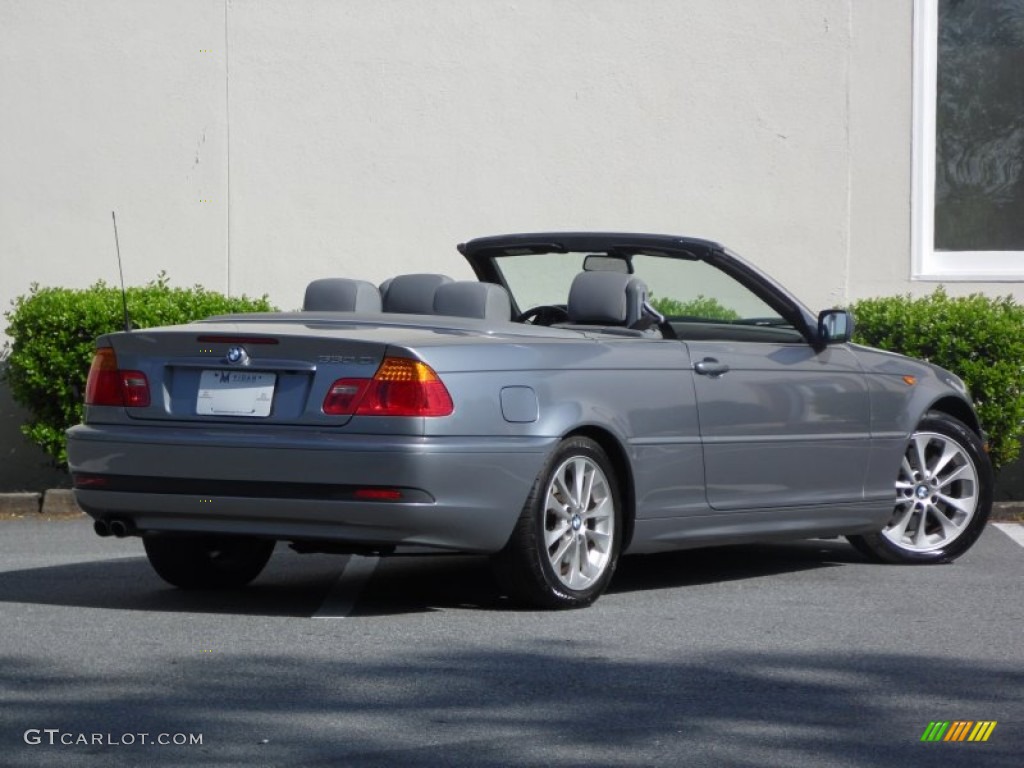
[590, 395]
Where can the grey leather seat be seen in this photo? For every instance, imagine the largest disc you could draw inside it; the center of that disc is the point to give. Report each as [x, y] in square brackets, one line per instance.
[412, 294]
[485, 301]
[340, 294]
[606, 298]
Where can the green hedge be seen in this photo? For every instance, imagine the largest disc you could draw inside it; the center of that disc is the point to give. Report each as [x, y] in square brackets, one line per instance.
[701, 307]
[52, 332]
[979, 338]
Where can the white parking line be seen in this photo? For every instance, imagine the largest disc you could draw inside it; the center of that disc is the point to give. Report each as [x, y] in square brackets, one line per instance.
[343, 595]
[1014, 530]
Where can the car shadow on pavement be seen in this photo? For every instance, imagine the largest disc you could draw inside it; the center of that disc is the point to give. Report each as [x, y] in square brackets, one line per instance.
[296, 585]
[129, 584]
[712, 565]
[408, 585]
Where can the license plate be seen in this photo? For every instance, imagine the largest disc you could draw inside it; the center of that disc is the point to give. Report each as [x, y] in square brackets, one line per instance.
[235, 393]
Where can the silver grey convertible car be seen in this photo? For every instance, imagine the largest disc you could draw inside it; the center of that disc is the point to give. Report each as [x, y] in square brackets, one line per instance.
[591, 395]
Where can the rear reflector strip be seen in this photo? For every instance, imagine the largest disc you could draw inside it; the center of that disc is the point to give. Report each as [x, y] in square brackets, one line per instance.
[379, 494]
[81, 480]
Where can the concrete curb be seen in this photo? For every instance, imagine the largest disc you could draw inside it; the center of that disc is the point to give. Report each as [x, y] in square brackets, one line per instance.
[59, 503]
[1008, 511]
[53, 504]
[20, 504]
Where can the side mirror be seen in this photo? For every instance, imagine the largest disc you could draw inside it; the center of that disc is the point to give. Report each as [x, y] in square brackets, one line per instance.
[835, 326]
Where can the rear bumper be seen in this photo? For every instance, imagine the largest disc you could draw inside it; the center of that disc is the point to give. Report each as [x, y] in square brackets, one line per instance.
[457, 493]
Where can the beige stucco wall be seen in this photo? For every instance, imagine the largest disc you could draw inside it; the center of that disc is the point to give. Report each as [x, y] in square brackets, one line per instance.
[107, 106]
[253, 145]
[880, 114]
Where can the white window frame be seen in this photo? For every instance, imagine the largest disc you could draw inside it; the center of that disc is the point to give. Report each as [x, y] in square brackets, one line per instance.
[927, 263]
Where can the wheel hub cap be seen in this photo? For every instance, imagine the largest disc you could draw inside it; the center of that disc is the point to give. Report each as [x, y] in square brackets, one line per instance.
[922, 492]
[577, 522]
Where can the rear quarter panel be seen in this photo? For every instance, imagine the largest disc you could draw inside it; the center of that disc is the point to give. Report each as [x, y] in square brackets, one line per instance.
[637, 391]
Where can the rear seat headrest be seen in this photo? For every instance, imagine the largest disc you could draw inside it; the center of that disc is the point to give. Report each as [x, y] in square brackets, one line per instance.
[340, 294]
[486, 301]
[412, 294]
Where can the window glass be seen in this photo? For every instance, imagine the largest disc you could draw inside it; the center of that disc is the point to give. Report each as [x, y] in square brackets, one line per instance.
[696, 290]
[541, 278]
[678, 288]
[979, 126]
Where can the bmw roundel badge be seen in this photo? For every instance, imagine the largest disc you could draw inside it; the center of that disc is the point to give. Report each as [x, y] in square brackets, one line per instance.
[236, 355]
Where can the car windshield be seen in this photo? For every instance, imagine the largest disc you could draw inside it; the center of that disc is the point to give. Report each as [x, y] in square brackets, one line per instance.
[678, 288]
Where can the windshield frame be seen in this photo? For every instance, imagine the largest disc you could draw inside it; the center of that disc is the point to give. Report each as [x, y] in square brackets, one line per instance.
[485, 255]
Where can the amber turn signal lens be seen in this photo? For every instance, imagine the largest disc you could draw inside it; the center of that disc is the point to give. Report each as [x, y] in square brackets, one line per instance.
[401, 387]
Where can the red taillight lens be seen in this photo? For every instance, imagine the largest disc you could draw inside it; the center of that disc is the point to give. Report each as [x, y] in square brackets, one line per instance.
[135, 386]
[343, 396]
[107, 385]
[104, 385]
[401, 387]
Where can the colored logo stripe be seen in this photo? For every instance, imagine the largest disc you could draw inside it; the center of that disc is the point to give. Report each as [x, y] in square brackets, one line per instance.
[958, 730]
[982, 730]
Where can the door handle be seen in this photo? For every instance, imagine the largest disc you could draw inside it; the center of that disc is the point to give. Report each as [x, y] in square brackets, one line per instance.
[711, 367]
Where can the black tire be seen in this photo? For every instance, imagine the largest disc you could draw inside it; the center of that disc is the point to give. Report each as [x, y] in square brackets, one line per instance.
[584, 526]
[955, 469]
[207, 562]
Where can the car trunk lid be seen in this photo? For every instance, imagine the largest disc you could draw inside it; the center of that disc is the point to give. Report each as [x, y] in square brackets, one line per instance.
[227, 374]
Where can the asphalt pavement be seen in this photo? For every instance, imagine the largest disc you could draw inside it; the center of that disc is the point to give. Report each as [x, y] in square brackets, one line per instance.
[778, 655]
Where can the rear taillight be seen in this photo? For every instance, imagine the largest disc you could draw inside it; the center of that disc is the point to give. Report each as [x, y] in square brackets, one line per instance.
[104, 385]
[344, 395]
[108, 385]
[401, 387]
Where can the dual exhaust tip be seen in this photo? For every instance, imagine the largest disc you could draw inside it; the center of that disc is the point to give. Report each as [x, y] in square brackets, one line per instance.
[113, 527]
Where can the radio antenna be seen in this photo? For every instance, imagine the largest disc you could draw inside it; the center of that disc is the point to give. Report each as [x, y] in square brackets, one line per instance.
[120, 272]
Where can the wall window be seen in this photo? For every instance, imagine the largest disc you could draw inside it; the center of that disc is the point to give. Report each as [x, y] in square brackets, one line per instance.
[969, 142]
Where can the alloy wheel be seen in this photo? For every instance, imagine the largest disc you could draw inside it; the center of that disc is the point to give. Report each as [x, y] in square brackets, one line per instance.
[579, 522]
[937, 493]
